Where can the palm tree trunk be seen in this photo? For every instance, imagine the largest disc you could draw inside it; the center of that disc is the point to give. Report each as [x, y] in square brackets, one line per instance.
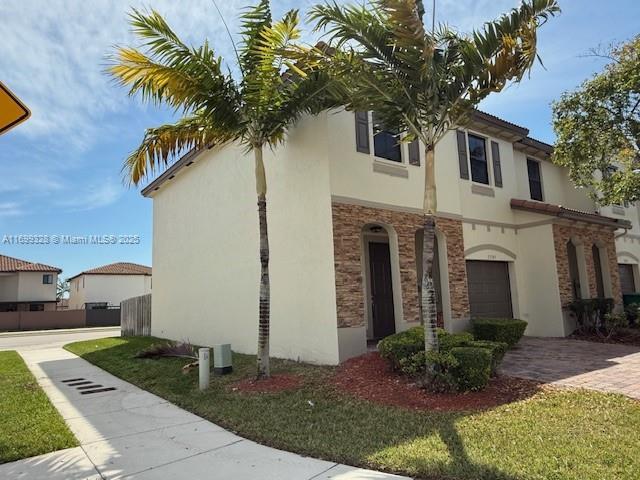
[264, 305]
[428, 300]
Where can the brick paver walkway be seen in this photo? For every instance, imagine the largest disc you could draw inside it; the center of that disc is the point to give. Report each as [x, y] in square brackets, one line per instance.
[575, 363]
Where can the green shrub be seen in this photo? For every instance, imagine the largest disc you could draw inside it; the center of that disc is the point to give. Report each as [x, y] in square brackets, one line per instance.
[507, 330]
[447, 340]
[473, 367]
[439, 377]
[497, 350]
[401, 345]
[404, 345]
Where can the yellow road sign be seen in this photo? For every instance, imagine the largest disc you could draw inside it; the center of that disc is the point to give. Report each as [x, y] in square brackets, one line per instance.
[12, 110]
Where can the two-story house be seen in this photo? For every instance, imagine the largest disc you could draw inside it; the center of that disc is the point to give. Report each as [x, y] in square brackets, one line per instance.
[108, 285]
[514, 238]
[27, 286]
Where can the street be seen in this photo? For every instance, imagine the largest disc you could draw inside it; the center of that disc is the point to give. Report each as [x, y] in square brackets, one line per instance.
[51, 338]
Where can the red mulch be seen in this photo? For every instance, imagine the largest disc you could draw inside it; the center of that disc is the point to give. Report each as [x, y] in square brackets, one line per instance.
[273, 384]
[624, 337]
[369, 377]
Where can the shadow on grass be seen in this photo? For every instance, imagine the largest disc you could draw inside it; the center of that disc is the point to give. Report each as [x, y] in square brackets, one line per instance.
[314, 420]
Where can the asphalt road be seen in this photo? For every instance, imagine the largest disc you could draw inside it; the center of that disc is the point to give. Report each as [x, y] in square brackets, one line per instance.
[52, 338]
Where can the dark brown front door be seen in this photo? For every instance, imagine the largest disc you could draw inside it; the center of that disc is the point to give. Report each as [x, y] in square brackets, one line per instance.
[627, 282]
[384, 323]
[489, 290]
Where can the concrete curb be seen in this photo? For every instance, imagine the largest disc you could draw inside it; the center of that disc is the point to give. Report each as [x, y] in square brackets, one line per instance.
[58, 331]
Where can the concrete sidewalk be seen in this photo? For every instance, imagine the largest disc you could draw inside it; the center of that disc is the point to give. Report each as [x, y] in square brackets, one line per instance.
[126, 432]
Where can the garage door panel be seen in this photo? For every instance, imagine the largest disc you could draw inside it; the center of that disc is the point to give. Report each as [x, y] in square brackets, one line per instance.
[627, 282]
[489, 289]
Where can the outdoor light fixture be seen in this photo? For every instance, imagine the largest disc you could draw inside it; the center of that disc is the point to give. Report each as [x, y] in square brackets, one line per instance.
[222, 359]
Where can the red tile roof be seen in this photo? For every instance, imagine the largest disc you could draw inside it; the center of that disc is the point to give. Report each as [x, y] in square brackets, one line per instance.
[568, 213]
[10, 265]
[118, 268]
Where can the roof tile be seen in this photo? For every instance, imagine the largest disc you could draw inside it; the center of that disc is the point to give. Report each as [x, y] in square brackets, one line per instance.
[11, 264]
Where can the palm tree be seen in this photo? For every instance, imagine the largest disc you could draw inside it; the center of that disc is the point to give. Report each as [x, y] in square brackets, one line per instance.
[62, 289]
[256, 110]
[425, 82]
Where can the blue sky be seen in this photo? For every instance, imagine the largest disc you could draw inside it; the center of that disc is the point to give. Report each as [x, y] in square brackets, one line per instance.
[60, 171]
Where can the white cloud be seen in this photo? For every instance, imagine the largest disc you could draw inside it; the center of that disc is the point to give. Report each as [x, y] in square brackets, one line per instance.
[10, 209]
[93, 196]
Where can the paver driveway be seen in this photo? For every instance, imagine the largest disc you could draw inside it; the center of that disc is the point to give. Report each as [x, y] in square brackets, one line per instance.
[575, 363]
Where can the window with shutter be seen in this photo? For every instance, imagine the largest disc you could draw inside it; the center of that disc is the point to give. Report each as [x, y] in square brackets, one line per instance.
[478, 159]
[462, 155]
[497, 169]
[362, 132]
[386, 141]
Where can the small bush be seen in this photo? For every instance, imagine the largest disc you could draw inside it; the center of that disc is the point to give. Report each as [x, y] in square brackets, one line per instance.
[438, 377]
[632, 310]
[447, 340]
[401, 345]
[507, 330]
[497, 350]
[473, 367]
[404, 345]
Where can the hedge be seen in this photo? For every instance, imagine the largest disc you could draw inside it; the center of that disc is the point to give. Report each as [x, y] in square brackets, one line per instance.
[497, 350]
[507, 330]
[473, 369]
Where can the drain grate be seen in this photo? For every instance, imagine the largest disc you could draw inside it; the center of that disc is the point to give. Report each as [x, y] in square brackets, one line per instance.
[86, 387]
[97, 390]
[89, 387]
[75, 384]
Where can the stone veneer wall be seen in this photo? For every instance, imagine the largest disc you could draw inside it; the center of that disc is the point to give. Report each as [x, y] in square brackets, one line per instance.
[588, 235]
[348, 221]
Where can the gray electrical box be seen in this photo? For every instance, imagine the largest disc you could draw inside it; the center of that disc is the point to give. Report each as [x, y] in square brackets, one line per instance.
[222, 359]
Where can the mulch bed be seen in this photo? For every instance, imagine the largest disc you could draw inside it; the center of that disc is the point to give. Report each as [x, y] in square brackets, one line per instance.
[625, 337]
[273, 384]
[369, 377]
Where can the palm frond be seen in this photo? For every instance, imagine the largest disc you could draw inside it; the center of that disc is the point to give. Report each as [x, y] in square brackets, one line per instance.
[170, 72]
[163, 144]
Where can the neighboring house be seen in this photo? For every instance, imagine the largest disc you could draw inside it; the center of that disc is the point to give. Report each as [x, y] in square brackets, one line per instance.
[27, 286]
[108, 285]
[514, 238]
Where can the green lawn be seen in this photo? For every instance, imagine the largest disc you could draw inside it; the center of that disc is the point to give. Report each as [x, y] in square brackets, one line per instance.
[29, 424]
[554, 435]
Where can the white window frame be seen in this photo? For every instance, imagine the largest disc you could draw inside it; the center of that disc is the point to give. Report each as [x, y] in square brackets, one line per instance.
[404, 147]
[488, 154]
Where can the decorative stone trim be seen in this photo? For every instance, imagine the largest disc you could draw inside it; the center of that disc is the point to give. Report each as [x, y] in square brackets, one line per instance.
[348, 221]
[588, 236]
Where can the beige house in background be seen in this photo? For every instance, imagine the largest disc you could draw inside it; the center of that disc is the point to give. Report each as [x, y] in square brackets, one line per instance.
[108, 285]
[27, 286]
[514, 238]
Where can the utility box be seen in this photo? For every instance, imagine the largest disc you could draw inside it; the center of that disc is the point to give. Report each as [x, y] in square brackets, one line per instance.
[222, 363]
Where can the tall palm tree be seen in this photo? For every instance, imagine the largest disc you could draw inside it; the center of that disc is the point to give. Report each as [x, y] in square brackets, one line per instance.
[271, 94]
[426, 82]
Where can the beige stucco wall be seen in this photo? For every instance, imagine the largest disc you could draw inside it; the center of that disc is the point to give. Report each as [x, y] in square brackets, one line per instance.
[8, 287]
[205, 252]
[112, 289]
[31, 288]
